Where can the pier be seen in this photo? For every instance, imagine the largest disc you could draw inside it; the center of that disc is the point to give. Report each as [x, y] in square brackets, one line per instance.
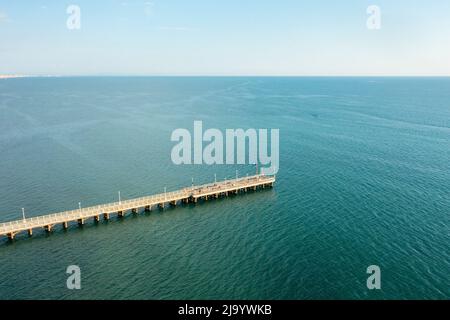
[186, 195]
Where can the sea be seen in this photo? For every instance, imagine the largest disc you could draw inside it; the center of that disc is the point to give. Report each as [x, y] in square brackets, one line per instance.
[363, 180]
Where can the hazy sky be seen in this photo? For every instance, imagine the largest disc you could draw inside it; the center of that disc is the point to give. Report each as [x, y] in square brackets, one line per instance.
[228, 37]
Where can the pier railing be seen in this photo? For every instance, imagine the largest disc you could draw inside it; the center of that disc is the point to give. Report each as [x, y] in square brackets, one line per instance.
[187, 194]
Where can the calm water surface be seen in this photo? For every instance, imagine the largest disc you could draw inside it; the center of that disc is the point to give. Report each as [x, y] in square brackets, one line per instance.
[364, 179]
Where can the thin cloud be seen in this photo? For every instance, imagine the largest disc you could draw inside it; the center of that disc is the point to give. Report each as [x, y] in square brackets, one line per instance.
[3, 17]
[168, 28]
[148, 8]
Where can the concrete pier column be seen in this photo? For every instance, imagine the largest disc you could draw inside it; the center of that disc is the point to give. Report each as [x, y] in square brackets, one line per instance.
[48, 228]
[161, 205]
[30, 232]
[206, 198]
[147, 208]
[173, 203]
[106, 216]
[65, 225]
[120, 214]
[96, 218]
[134, 210]
[80, 221]
[11, 236]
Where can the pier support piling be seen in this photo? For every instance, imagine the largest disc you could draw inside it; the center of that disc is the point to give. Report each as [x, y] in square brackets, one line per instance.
[187, 195]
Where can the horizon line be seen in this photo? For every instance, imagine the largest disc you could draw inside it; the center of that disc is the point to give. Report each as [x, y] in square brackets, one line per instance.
[10, 76]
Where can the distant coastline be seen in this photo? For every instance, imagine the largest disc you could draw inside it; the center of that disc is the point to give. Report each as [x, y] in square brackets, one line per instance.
[11, 76]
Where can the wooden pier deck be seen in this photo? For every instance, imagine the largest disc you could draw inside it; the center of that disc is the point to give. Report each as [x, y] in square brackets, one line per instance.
[186, 195]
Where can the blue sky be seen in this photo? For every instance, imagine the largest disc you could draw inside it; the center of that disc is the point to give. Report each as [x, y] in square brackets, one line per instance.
[228, 37]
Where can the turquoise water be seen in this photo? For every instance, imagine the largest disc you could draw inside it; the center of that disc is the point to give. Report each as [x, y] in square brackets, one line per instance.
[364, 179]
